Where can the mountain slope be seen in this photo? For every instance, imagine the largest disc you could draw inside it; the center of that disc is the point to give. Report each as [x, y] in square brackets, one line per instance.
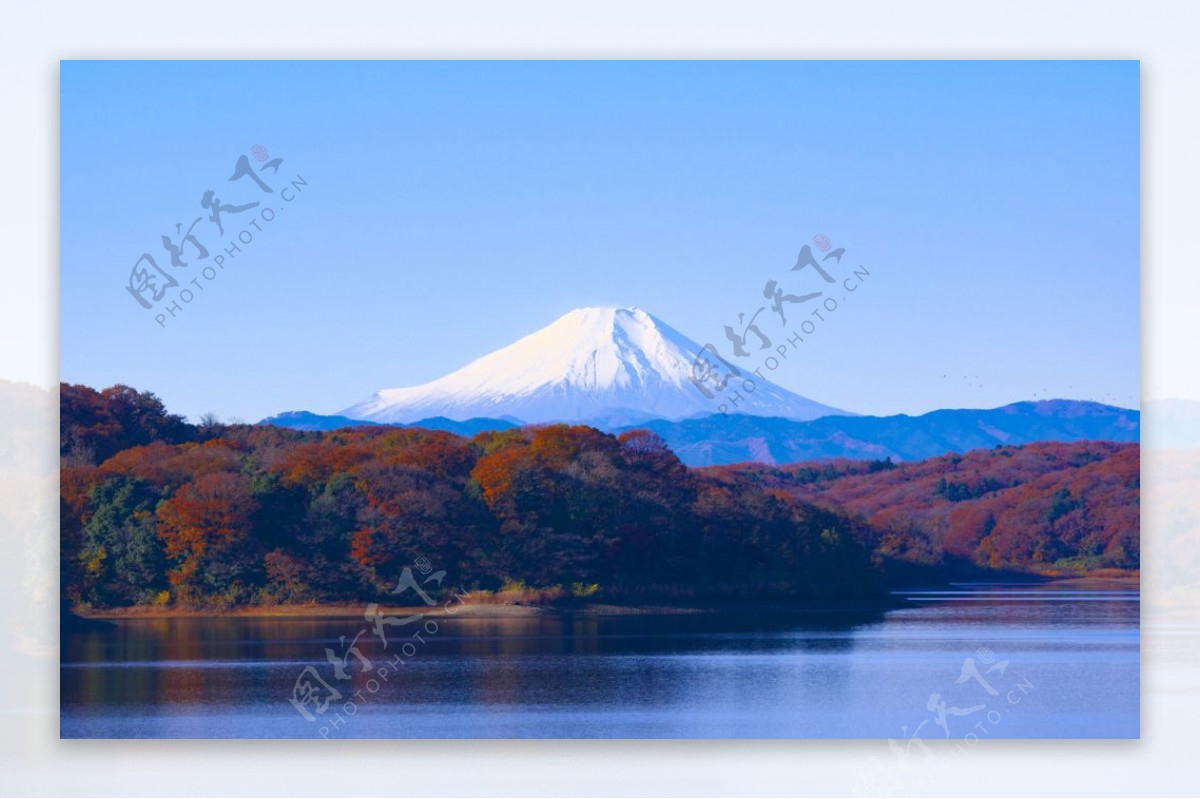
[715, 440]
[304, 420]
[735, 438]
[598, 365]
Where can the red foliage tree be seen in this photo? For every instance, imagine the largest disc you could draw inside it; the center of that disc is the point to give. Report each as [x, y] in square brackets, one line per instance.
[204, 527]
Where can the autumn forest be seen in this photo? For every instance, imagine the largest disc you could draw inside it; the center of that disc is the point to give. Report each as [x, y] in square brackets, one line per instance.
[157, 511]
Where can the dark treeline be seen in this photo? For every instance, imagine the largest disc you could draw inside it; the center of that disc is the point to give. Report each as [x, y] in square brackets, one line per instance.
[158, 511]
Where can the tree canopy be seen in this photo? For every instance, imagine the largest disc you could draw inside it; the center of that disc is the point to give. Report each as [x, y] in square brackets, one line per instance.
[155, 510]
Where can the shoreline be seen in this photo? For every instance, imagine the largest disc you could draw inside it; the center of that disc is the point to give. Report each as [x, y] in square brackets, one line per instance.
[482, 610]
[489, 606]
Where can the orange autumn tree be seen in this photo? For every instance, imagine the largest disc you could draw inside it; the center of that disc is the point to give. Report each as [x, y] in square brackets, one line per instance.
[534, 487]
[206, 532]
[411, 511]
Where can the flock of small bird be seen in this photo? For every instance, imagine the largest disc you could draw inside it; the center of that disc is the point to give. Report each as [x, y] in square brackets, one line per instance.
[1108, 397]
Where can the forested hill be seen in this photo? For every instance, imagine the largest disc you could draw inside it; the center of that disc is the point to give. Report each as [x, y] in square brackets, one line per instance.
[158, 511]
[1041, 507]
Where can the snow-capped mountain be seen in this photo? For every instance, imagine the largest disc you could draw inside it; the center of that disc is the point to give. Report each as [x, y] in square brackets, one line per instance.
[598, 365]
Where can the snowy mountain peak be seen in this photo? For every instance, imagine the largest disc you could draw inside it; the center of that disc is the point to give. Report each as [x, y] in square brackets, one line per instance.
[600, 365]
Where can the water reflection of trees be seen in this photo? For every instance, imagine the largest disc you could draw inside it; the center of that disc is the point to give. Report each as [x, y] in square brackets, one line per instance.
[551, 659]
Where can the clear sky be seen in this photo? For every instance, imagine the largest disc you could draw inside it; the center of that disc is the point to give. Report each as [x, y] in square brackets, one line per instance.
[452, 207]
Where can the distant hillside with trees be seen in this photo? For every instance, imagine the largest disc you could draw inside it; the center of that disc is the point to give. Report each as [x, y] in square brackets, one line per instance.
[1042, 507]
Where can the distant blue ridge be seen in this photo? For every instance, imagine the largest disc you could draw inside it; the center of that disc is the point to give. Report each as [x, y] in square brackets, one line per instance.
[723, 439]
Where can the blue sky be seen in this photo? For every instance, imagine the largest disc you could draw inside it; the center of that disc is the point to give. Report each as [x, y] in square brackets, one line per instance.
[452, 207]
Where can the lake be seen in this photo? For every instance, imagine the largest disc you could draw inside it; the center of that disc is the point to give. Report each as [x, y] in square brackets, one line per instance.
[1051, 660]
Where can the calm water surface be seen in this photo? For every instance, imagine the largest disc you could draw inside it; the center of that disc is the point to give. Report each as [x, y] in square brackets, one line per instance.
[1023, 661]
